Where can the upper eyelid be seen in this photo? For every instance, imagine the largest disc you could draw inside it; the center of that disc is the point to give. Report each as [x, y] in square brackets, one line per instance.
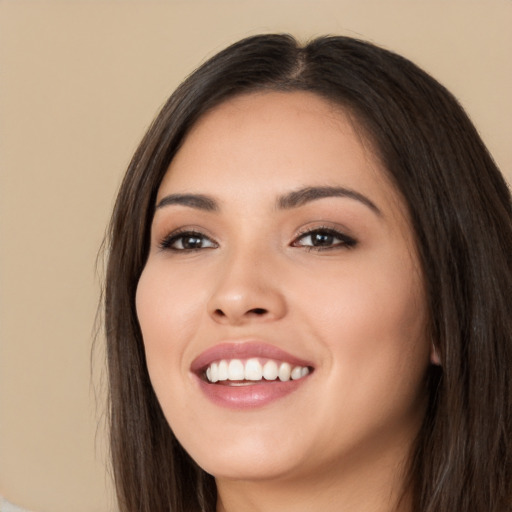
[162, 234]
[162, 242]
[347, 240]
[308, 230]
[341, 231]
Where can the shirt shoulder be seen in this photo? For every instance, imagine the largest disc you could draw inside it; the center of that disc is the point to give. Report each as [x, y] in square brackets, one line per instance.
[5, 506]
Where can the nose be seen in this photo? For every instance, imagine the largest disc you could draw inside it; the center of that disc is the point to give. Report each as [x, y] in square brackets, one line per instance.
[246, 290]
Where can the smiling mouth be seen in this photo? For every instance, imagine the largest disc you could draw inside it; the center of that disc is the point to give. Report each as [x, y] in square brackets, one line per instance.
[240, 372]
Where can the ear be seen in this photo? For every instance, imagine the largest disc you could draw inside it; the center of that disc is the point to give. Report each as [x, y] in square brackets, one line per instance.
[434, 356]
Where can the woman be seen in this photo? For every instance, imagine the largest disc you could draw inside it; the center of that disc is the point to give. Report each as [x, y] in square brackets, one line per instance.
[307, 297]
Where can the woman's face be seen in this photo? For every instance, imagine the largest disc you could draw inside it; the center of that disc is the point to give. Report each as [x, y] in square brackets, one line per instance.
[282, 305]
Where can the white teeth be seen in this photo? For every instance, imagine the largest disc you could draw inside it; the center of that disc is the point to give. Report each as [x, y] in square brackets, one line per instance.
[214, 372]
[223, 370]
[296, 373]
[253, 370]
[270, 370]
[236, 370]
[299, 371]
[284, 372]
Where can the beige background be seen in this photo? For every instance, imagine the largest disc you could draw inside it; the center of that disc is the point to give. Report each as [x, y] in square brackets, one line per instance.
[79, 82]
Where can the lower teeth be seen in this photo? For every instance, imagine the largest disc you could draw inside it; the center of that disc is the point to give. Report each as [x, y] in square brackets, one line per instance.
[238, 383]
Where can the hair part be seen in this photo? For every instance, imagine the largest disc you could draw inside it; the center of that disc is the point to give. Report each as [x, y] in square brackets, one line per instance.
[461, 214]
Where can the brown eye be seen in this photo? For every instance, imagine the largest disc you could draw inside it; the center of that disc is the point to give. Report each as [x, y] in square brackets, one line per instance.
[324, 239]
[187, 241]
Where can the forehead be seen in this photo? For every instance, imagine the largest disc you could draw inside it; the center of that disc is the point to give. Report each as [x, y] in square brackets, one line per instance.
[270, 142]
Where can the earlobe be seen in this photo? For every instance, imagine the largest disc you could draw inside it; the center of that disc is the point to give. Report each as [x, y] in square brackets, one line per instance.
[434, 355]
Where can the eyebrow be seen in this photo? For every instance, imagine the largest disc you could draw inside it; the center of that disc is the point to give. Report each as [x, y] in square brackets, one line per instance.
[198, 201]
[293, 199]
[305, 195]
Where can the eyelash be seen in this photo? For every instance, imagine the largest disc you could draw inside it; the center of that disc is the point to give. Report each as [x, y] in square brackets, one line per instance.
[168, 242]
[345, 241]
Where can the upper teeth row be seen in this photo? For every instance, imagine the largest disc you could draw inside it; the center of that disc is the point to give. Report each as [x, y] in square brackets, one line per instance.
[252, 369]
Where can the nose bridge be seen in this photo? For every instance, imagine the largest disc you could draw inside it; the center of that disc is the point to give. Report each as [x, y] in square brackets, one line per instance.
[247, 287]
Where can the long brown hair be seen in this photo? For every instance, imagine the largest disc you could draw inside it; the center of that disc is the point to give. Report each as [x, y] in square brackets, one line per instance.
[461, 215]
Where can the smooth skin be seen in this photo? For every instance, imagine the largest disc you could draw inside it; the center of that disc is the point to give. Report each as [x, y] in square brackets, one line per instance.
[333, 280]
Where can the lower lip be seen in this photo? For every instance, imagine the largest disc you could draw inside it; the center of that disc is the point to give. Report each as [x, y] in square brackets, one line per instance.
[249, 396]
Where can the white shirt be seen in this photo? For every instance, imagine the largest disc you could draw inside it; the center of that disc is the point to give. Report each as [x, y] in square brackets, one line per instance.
[5, 506]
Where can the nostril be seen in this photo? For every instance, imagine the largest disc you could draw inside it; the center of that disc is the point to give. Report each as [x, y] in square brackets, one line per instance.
[258, 311]
[232, 315]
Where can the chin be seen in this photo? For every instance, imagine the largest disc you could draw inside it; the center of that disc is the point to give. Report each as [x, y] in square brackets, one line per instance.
[247, 457]
[250, 467]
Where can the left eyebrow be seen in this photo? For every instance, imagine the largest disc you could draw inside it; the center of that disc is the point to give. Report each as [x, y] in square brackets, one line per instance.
[305, 195]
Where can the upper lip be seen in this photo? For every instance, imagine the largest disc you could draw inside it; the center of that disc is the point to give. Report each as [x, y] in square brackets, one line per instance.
[244, 350]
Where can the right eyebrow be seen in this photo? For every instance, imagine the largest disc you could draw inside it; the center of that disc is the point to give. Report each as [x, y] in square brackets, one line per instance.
[198, 201]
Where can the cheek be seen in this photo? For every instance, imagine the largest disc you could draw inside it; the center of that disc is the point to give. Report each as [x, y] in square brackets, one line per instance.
[166, 305]
[373, 326]
[373, 320]
[168, 318]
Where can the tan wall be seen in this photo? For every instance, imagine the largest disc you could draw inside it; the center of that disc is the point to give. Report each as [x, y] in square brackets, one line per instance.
[79, 82]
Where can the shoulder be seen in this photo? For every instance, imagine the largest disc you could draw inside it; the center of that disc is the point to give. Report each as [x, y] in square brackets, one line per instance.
[5, 506]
